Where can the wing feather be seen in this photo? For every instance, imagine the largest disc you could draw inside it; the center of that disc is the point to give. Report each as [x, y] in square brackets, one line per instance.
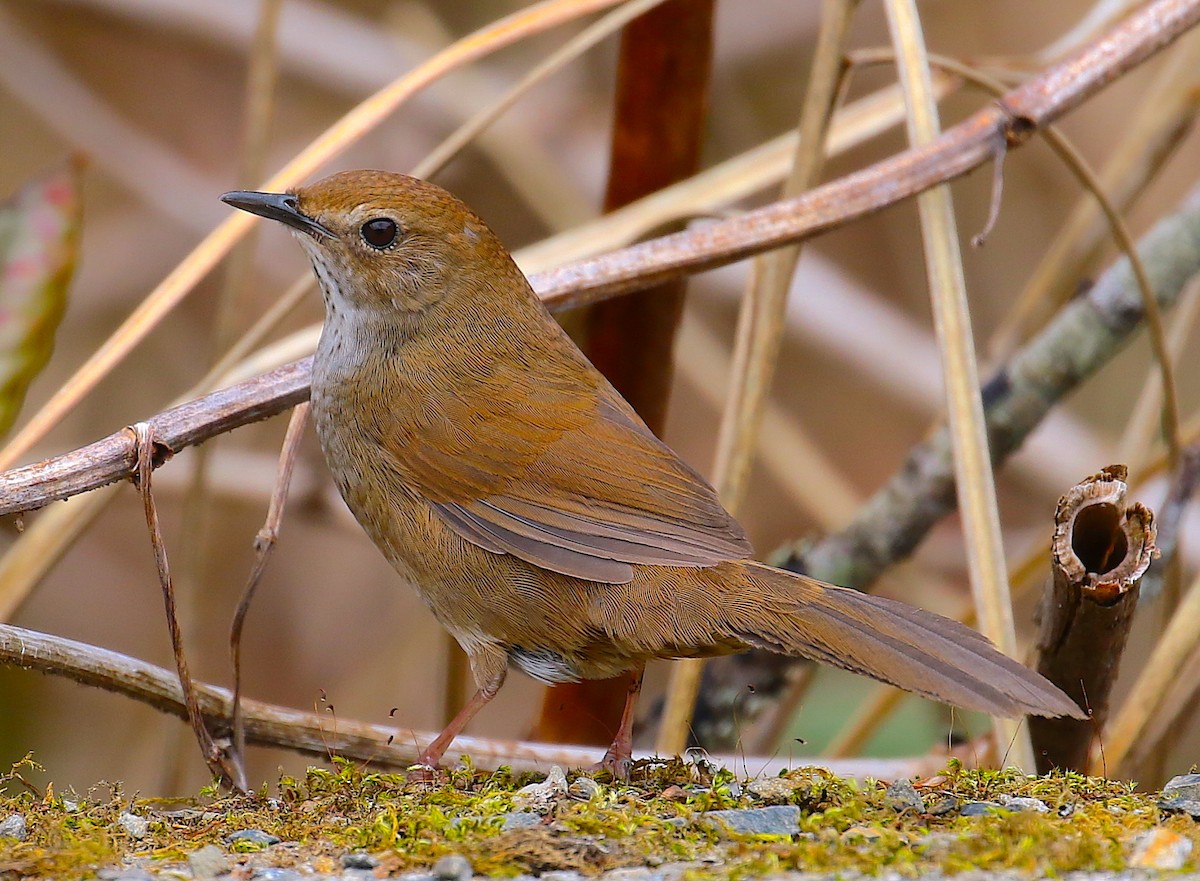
[566, 478]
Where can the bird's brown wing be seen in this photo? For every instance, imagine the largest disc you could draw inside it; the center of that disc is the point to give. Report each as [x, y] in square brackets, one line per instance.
[568, 479]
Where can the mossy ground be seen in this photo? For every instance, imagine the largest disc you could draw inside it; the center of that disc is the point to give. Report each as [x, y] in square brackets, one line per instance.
[846, 827]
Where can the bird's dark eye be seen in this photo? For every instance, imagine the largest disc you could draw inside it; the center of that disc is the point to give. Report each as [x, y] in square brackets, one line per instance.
[380, 233]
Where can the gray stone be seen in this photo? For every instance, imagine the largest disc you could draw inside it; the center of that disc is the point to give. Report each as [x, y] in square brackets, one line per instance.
[520, 820]
[359, 861]
[773, 820]
[118, 873]
[561, 875]
[1185, 786]
[981, 808]
[1189, 806]
[1019, 803]
[1160, 849]
[276, 873]
[903, 796]
[136, 827]
[415, 876]
[208, 862]
[454, 867]
[13, 826]
[253, 836]
[633, 873]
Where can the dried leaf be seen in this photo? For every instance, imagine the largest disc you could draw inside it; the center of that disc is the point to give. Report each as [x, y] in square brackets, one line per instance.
[39, 240]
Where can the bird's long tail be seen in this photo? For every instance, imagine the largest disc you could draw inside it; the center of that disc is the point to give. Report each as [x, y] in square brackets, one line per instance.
[891, 641]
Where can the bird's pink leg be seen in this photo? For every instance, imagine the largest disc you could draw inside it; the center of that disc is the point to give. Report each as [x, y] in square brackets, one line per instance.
[619, 757]
[432, 754]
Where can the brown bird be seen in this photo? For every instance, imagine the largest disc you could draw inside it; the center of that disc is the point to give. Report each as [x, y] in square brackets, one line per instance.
[539, 519]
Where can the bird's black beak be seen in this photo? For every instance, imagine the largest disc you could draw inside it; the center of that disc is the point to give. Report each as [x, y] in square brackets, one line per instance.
[276, 206]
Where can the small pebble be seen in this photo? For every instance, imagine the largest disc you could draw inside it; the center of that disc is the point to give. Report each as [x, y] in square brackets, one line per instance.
[774, 820]
[13, 826]
[583, 789]
[903, 796]
[136, 827]
[1160, 849]
[947, 804]
[359, 861]
[981, 808]
[208, 862]
[561, 875]
[1018, 803]
[772, 790]
[253, 836]
[455, 866]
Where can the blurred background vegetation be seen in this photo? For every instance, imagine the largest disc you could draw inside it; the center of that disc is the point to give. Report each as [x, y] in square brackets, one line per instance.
[152, 93]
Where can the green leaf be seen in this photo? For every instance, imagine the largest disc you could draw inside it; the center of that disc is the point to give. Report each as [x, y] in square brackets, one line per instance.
[39, 244]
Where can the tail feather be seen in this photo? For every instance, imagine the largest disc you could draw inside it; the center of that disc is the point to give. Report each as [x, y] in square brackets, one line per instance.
[894, 643]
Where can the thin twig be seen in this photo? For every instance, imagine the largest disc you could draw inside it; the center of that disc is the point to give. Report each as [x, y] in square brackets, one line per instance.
[264, 546]
[146, 452]
[381, 746]
[1166, 116]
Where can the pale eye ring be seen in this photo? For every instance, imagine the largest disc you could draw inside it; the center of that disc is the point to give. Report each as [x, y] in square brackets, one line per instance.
[380, 233]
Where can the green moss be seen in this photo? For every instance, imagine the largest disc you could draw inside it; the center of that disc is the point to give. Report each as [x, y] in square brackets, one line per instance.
[845, 827]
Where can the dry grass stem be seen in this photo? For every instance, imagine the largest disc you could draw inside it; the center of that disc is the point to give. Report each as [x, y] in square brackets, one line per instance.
[760, 334]
[1141, 427]
[710, 192]
[39, 548]
[1115, 223]
[973, 476]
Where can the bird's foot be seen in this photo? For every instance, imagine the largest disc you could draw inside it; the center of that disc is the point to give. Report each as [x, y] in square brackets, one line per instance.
[424, 772]
[617, 761]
